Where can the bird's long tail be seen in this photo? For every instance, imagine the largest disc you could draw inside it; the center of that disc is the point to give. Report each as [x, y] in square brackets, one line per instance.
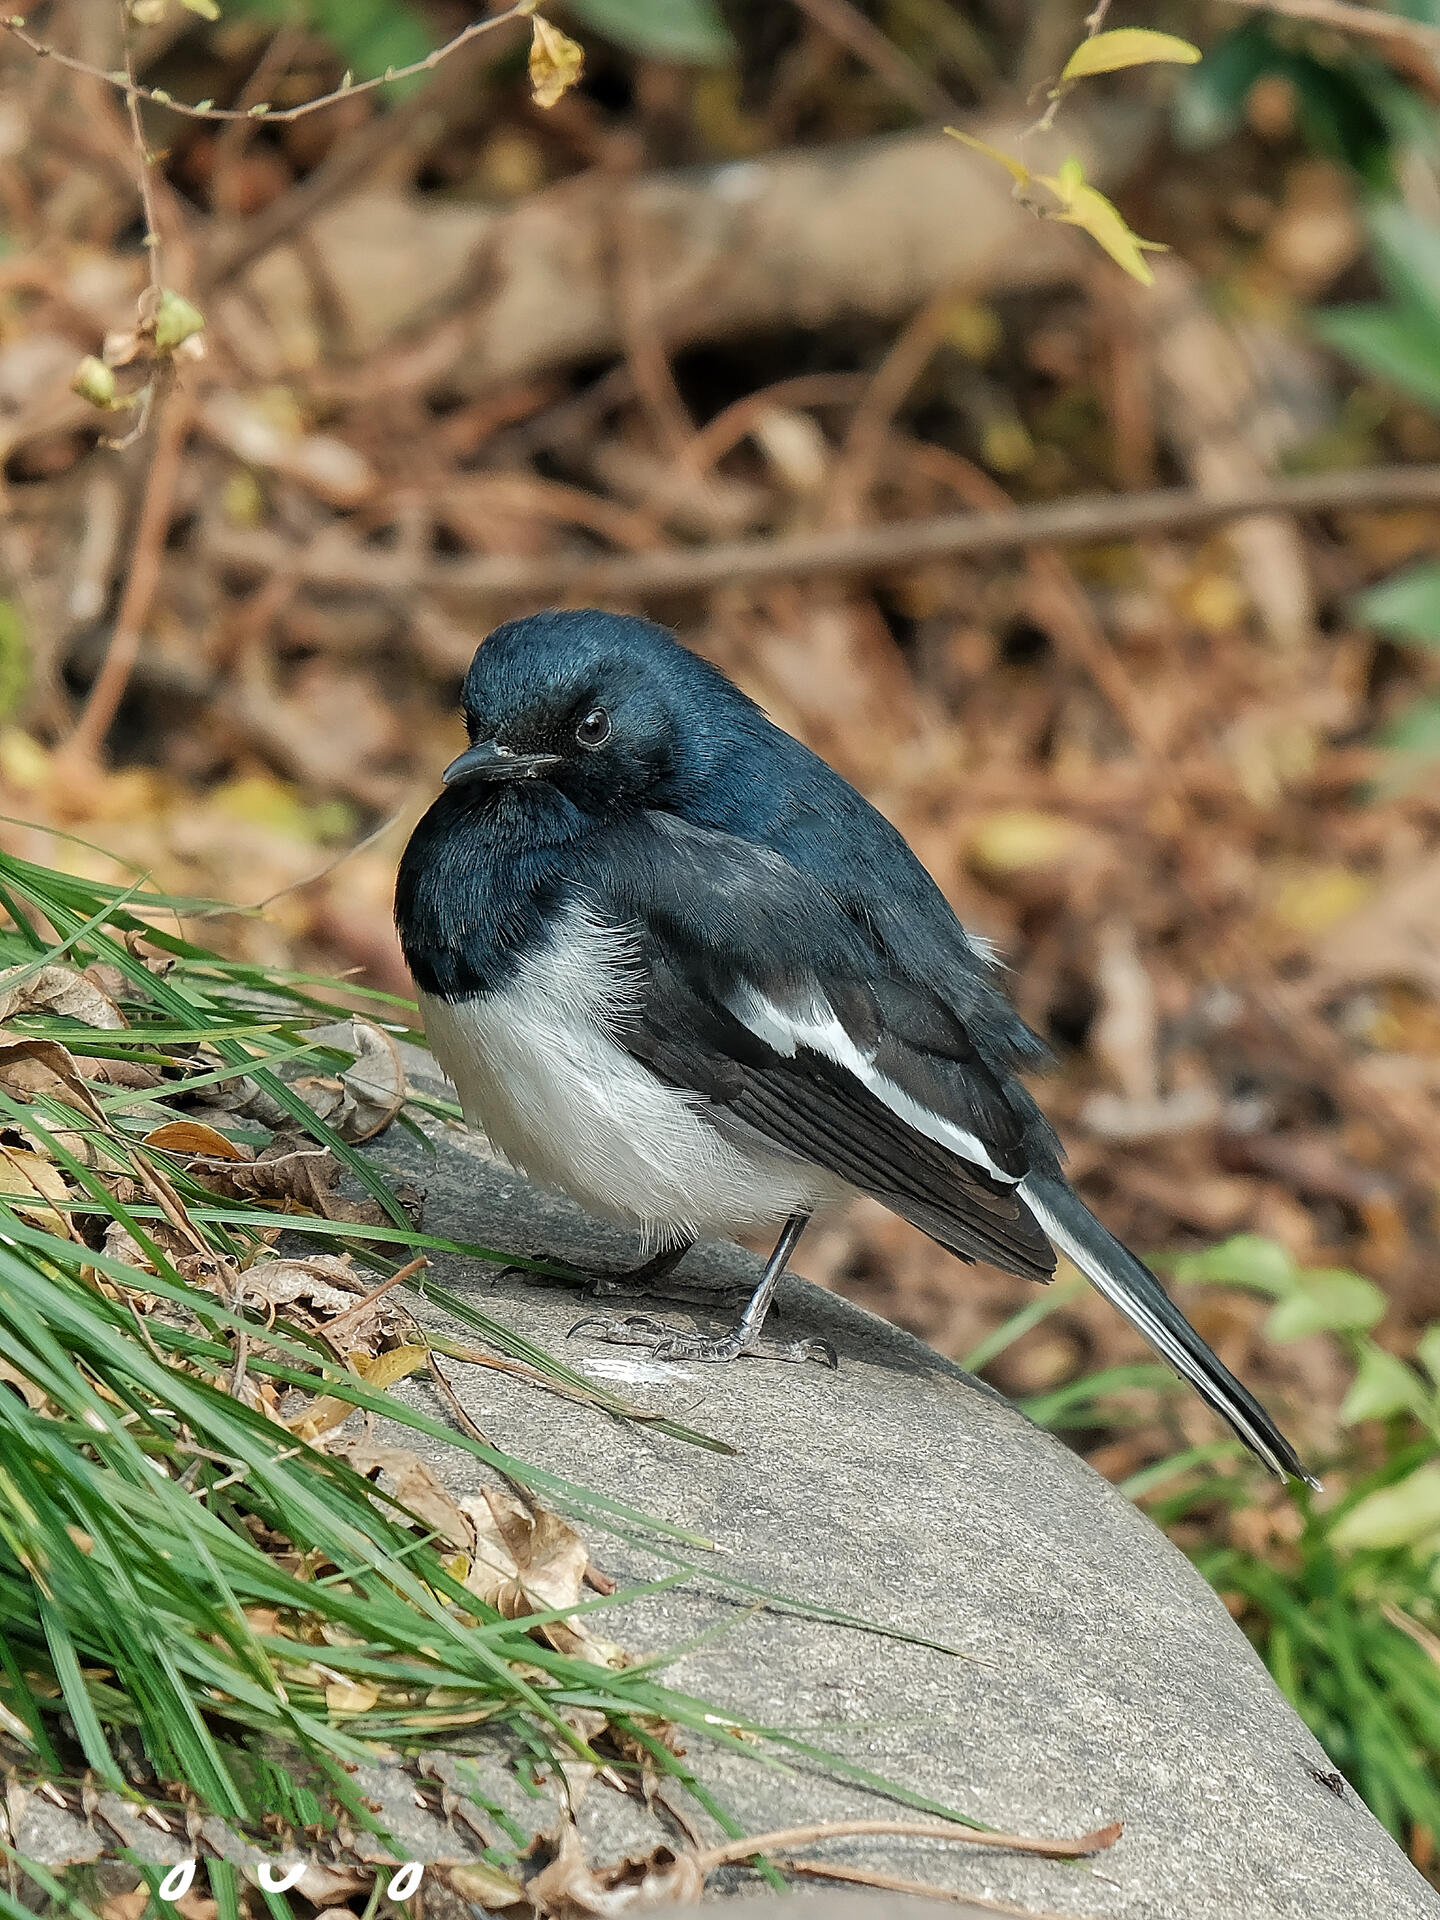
[1140, 1297]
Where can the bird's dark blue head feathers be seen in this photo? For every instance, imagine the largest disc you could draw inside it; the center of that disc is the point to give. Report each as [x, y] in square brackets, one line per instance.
[609, 710]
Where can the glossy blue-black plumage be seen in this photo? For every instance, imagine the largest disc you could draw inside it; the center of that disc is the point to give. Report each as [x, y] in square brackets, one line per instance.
[647, 792]
[480, 872]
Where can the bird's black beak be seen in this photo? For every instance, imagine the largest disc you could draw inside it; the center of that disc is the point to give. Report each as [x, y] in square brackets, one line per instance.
[488, 760]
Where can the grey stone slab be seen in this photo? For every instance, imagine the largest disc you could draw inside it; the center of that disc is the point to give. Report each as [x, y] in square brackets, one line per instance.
[1099, 1679]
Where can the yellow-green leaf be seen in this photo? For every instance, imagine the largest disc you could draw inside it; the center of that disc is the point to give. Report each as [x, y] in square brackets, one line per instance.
[206, 9]
[1017, 169]
[1127, 47]
[1383, 1386]
[1086, 207]
[1396, 1516]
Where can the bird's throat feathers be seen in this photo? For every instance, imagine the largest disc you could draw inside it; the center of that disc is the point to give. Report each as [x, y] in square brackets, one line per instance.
[475, 881]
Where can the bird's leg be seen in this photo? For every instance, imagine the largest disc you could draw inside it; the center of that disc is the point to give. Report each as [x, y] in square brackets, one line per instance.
[677, 1343]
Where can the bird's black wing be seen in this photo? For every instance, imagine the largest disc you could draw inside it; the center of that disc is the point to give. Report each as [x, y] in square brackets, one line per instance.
[761, 995]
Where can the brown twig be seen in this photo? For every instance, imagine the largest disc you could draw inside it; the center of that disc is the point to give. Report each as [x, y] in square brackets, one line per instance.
[140, 584]
[1346, 17]
[363, 1305]
[895, 1883]
[746, 1848]
[1087, 520]
[142, 153]
[128, 85]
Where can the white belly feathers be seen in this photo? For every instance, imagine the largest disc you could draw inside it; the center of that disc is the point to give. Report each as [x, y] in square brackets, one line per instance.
[536, 1067]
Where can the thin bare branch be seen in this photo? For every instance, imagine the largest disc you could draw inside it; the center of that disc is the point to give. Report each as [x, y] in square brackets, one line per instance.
[126, 83]
[142, 154]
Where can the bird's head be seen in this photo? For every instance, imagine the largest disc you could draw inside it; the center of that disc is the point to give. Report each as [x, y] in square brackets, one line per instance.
[608, 710]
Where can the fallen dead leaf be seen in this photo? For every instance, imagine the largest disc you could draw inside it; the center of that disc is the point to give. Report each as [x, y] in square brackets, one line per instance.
[57, 989]
[304, 1178]
[194, 1137]
[362, 1100]
[416, 1487]
[27, 1181]
[570, 1886]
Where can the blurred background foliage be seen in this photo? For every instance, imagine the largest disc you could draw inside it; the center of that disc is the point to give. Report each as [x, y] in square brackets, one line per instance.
[458, 349]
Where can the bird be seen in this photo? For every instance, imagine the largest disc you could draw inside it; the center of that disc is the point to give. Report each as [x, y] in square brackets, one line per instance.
[681, 970]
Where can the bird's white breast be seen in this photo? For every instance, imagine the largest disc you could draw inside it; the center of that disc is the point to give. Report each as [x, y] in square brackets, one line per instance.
[537, 1066]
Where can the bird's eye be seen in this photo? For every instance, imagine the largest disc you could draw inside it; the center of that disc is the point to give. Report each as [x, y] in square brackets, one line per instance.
[594, 730]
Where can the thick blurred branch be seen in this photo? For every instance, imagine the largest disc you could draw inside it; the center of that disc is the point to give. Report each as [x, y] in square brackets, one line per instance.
[340, 564]
[795, 240]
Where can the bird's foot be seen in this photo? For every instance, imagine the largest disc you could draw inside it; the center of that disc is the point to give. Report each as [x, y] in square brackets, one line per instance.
[684, 1293]
[679, 1343]
[652, 1278]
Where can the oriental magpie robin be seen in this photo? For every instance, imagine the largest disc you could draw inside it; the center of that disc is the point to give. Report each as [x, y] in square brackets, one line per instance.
[681, 970]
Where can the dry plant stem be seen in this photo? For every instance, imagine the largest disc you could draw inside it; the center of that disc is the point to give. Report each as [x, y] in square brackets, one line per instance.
[872, 420]
[1088, 520]
[142, 153]
[893, 1883]
[85, 742]
[14, 24]
[1346, 17]
[744, 1849]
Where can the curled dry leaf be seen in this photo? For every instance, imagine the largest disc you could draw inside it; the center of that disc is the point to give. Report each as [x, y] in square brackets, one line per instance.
[555, 62]
[484, 1886]
[322, 1285]
[12, 1380]
[27, 1182]
[527, 1560]
[31, 1067]
[57, 989]
[407, 1477]
[299, 1178]
[570, 1886]
[361, 1101]
[381, 1372]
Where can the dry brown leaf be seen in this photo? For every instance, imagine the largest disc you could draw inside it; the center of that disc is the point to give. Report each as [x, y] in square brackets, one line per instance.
[33, 1396]
[57, 989]
[484, 1886]
[27, 1181]
[299, 1177]
[325, 1284]
[555, 62]
[361, 1101]
[527, 1560]
[29, 1067]
[194, 1137]
[386, 1370]
[416, 1487]
[351, 1696]
[570, 1886]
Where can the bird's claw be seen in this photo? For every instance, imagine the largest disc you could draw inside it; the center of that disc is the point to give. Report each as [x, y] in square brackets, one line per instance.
[676, 1343]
